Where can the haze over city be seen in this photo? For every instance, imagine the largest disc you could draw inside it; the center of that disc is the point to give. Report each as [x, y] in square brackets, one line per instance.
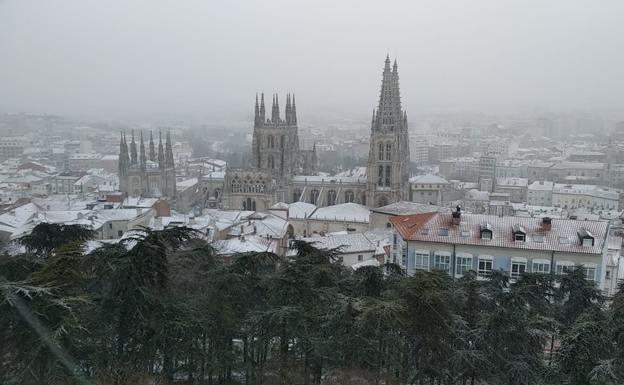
[205, 60]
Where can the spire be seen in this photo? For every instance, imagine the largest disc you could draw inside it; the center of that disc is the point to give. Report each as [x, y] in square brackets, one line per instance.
[373, 120]
[168, 151]
[256, 111]
[262, 112]
[161, 152]
[152, 150]
[287, 109]
[389, 115]
[394, 66]
[142, 157]
[123, 154]
[133, 150]
[293, 111]
[275, 118]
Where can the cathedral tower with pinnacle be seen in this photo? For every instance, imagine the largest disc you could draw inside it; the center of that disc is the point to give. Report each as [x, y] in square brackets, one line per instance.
[275, 146]
[389, 157]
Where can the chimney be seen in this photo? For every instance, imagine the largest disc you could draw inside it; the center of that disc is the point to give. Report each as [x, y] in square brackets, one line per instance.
[456, 216]
[546, 223]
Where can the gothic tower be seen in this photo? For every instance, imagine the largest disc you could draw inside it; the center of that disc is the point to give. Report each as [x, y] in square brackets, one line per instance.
[388, 158]
[275, 147]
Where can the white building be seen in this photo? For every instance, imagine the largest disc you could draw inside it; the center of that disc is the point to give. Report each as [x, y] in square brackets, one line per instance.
[539, 193]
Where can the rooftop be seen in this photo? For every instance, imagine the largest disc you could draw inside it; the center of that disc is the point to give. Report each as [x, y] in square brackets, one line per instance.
[563, 236]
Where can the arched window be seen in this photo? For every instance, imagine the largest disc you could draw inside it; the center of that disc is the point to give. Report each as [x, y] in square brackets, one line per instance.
[388, 151]
[247, 204]
[253, 205]
[314, 194]
[331, 197]
[349, 196]
[381, 154]
[388, 173]
[270, 162]
[296, 195]
[217, 193]
[380, 176]
[270, 142]
[282, 141]
[236, 185]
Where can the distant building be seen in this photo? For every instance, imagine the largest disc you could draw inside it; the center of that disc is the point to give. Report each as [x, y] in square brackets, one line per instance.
[12, 146]
[428, 189]
[147, 174]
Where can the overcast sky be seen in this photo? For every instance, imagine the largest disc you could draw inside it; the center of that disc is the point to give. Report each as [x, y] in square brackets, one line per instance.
[152, 59]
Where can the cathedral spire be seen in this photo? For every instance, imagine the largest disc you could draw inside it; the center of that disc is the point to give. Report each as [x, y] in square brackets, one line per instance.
[262, 112]
[142, 157]
[123, 154]
[256, 111]
[293, 111]
[389, 114]
[287, 110]
[152, 149]
[275, 118]
[168, 151]
[161, 152]
[133, 150]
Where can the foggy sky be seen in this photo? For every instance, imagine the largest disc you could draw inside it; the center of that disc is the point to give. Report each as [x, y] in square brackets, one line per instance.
[205, 60]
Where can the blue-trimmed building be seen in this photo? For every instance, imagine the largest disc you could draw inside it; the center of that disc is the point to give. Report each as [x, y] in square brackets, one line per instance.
[458, 242]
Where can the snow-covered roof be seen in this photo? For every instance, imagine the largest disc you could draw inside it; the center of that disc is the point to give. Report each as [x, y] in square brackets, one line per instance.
[245, 244]
[345, 243]
[300, 209]
[342, 212]
[406, 208]
[428, 179]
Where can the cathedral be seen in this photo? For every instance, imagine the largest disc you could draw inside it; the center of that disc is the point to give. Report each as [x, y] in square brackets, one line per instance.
[146, 174]
[281, 171]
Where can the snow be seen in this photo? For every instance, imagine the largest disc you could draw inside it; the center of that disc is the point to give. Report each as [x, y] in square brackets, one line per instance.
[345, 212]
[300, 209]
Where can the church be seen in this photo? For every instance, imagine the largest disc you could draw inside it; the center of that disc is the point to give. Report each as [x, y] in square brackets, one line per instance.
[146, 174]
[280, 171]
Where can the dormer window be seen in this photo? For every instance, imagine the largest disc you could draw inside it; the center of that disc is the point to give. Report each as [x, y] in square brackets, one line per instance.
[486, 231]
[585, 237]
[519, 233]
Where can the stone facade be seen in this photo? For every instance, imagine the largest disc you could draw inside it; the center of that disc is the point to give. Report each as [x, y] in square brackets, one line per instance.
[146, 174]
[388, 157]
[287, 173]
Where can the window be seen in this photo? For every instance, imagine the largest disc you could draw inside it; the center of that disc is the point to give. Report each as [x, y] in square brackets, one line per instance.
[443, 231]
[539, 238]
[541, 266]
[380, 176]
[485, 267]
[517, 268]
[519, 237]
[564, 241]
[424, 232]
[388, 173]
[360, 257]
[590, 272]
[563, 267]
[110, 225]
[388, 148]
[421, 260]
[442, 262]
[270, 162]
[608, 274]
[463, 264]
[465, 233]
[381, 150]
[119, 233]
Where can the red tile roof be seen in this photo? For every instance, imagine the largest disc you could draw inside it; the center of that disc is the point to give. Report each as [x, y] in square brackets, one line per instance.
[563, 236]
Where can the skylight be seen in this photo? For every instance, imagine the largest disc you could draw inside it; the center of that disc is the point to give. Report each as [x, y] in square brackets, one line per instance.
[443, 231]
